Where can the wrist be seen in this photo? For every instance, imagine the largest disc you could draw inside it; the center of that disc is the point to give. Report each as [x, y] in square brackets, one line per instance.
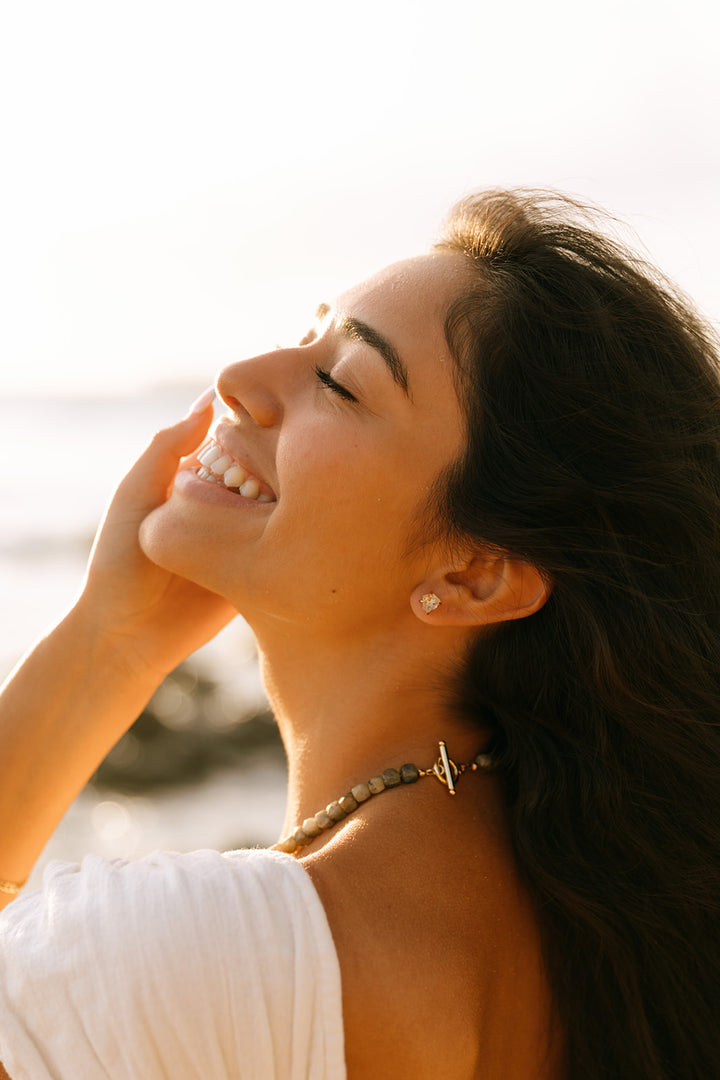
[125, 658]
[108, 657]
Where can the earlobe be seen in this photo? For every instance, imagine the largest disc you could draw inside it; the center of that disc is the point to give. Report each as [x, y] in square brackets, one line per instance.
[485, 591]
[430, 602]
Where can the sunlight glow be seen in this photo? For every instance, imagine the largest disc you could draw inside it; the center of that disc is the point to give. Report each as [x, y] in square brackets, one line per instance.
[187, 181]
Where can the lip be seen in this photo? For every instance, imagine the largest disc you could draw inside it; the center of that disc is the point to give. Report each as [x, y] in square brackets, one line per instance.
[189, 484]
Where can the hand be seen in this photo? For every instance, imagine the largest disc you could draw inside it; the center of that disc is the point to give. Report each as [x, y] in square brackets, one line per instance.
[152, 617]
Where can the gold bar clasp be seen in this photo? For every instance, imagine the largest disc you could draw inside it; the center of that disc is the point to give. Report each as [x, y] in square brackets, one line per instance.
[445, 769]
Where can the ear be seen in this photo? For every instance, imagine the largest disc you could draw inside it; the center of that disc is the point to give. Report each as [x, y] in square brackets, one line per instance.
[486, 589]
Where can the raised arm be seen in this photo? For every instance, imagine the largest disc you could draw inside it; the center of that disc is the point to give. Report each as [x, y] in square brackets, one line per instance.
[73, 696]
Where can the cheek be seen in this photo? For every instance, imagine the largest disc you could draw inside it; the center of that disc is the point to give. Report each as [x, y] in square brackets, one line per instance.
[336, 494]
[359, 496]
[347, 528]
[322, 474]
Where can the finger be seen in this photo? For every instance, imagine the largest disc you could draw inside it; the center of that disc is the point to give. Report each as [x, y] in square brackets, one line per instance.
[149, 481]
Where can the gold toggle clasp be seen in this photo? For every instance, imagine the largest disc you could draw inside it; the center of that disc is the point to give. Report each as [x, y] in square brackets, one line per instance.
[445, 769]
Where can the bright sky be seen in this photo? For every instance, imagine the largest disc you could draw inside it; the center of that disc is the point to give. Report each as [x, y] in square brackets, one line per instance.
[183, 182]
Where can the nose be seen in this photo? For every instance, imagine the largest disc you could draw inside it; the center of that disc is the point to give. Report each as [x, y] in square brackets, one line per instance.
[257, 388]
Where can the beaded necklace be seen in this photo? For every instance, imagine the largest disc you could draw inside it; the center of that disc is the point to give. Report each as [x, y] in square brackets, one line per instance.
[445, 770]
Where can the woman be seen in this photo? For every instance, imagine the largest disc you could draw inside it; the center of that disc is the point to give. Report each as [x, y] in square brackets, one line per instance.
[477, 506]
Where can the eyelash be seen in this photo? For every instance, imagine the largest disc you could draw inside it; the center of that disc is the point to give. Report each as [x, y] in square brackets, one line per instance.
[329, 383]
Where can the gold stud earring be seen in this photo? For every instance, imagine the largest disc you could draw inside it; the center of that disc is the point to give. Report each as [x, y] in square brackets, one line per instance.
[429, 602]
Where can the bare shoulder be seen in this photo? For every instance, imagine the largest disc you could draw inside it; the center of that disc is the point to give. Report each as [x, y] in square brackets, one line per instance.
[439, 950]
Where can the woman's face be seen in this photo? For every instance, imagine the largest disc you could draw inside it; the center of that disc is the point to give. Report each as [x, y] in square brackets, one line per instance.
[346, 433]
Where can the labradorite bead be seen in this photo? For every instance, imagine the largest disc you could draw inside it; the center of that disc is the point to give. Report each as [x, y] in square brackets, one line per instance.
[310, 827]
[484, 761]
[288, 845]
[348, 803]
[409, 773]
[376, 785]
[323, 819]
[361, 792]
[301, 837]
[335, 811]
[391, 778]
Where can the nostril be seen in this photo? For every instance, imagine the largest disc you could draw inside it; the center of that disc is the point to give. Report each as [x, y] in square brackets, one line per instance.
[234, 404]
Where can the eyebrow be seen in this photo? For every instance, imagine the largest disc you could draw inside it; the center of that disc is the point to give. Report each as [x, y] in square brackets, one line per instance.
[356, 330]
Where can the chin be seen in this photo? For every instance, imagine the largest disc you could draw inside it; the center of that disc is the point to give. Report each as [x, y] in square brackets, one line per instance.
[177, 545]
[187, 546]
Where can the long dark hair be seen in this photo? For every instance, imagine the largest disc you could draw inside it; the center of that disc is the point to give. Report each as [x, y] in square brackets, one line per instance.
[593, 452]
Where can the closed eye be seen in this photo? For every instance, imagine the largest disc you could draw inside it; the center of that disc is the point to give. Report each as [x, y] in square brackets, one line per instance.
[329, 383]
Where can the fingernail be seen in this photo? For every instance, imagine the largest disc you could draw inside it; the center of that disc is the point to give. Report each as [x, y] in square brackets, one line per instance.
[203, 401]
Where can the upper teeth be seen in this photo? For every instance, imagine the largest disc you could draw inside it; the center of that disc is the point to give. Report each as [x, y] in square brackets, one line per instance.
[217, 465]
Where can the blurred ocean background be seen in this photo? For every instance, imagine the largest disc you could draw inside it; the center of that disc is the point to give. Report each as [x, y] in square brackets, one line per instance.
[203, 767]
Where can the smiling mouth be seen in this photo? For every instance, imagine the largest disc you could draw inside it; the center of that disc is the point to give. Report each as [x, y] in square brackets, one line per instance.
[218, 467]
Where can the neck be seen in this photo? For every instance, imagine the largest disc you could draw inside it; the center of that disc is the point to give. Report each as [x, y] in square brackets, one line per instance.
[347, 711]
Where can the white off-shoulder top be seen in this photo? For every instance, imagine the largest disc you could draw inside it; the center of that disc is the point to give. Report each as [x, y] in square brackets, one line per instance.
[203, 965]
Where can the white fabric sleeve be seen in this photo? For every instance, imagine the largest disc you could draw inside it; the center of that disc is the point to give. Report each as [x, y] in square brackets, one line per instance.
[206, 965]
